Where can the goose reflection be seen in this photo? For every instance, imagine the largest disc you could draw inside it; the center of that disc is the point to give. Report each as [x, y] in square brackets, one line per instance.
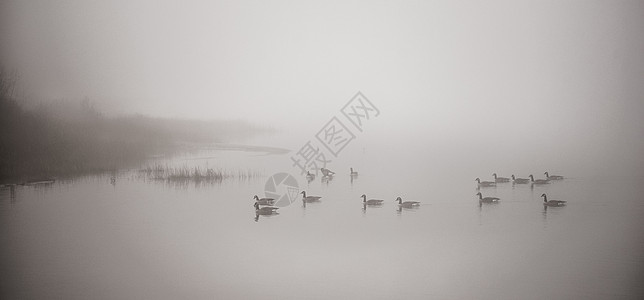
[326, 179]
[264, 211]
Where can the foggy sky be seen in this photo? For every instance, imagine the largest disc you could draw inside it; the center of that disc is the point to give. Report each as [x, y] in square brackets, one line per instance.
[563, 74]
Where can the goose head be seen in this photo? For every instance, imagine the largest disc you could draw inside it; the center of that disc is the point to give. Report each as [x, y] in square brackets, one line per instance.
[479, 194]
[546, 173]
[477, 180]
[256, 205]
[513, 177]
[531, 177]
[255, 197]
[494, 174]
[399, 200]
[364, 198]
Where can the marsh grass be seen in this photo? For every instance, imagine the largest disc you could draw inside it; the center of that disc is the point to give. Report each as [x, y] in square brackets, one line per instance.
[196, 174]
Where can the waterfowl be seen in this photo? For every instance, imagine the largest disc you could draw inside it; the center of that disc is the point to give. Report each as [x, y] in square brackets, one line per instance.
[407, 204]
[485, 183]
[371, 201]
[263, 201]
[520, 180]
[553, 177]
[327, 172]
[353, 173]
[267, 210]
[487, 199]
[306, 198]
[552, 202]
[500, 179]
[310, 176]
[538, 181]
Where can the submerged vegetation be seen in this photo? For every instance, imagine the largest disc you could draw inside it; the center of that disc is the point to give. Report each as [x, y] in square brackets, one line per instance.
[63, 138]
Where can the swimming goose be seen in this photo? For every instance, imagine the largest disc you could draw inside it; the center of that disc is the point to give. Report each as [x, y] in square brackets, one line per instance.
[327, 172]
[485, 183]
[267, 210]
[306, 198]
[553, 177]
[371, 201]
[487, 199]
[264, 201]
[407, 204]
[520, 180]
[310, 176]
[353, 173]
[538, 181]
[552, 202]
[500, 179]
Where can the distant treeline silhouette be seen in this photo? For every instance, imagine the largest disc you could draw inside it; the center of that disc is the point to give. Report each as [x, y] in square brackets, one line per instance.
[65, 138]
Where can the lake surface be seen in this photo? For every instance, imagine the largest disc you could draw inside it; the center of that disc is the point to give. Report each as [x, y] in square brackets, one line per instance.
[136, 238]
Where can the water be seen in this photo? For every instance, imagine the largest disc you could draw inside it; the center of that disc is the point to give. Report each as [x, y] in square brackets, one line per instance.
[142, 239]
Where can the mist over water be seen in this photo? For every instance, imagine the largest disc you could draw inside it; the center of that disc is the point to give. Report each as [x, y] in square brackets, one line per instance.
[144, 190]
[139, 238]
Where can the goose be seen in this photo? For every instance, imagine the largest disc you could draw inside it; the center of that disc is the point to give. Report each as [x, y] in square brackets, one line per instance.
[487, 199]
[267, 210]
[520, 180]
[407, 204]
[500, 179]
[310, 176]
[371, 201]
[552, 202]
[485, 183]
[327, 172]
[538, 181]
[353, 173]
[553, 177]
[263, 201]
[306, 198]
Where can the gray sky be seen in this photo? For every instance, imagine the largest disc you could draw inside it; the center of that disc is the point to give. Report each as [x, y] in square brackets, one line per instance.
[528, 72]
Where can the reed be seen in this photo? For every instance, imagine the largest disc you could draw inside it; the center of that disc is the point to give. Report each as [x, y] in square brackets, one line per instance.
[196, 174]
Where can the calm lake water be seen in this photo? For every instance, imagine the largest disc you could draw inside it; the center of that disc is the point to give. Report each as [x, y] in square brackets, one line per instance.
[142, 239]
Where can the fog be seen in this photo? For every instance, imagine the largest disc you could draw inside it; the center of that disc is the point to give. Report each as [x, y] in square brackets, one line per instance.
[186, 109]
[555, 79]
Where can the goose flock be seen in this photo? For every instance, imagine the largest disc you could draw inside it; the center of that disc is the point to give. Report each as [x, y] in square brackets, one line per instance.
[516, 180]
[264, 206]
